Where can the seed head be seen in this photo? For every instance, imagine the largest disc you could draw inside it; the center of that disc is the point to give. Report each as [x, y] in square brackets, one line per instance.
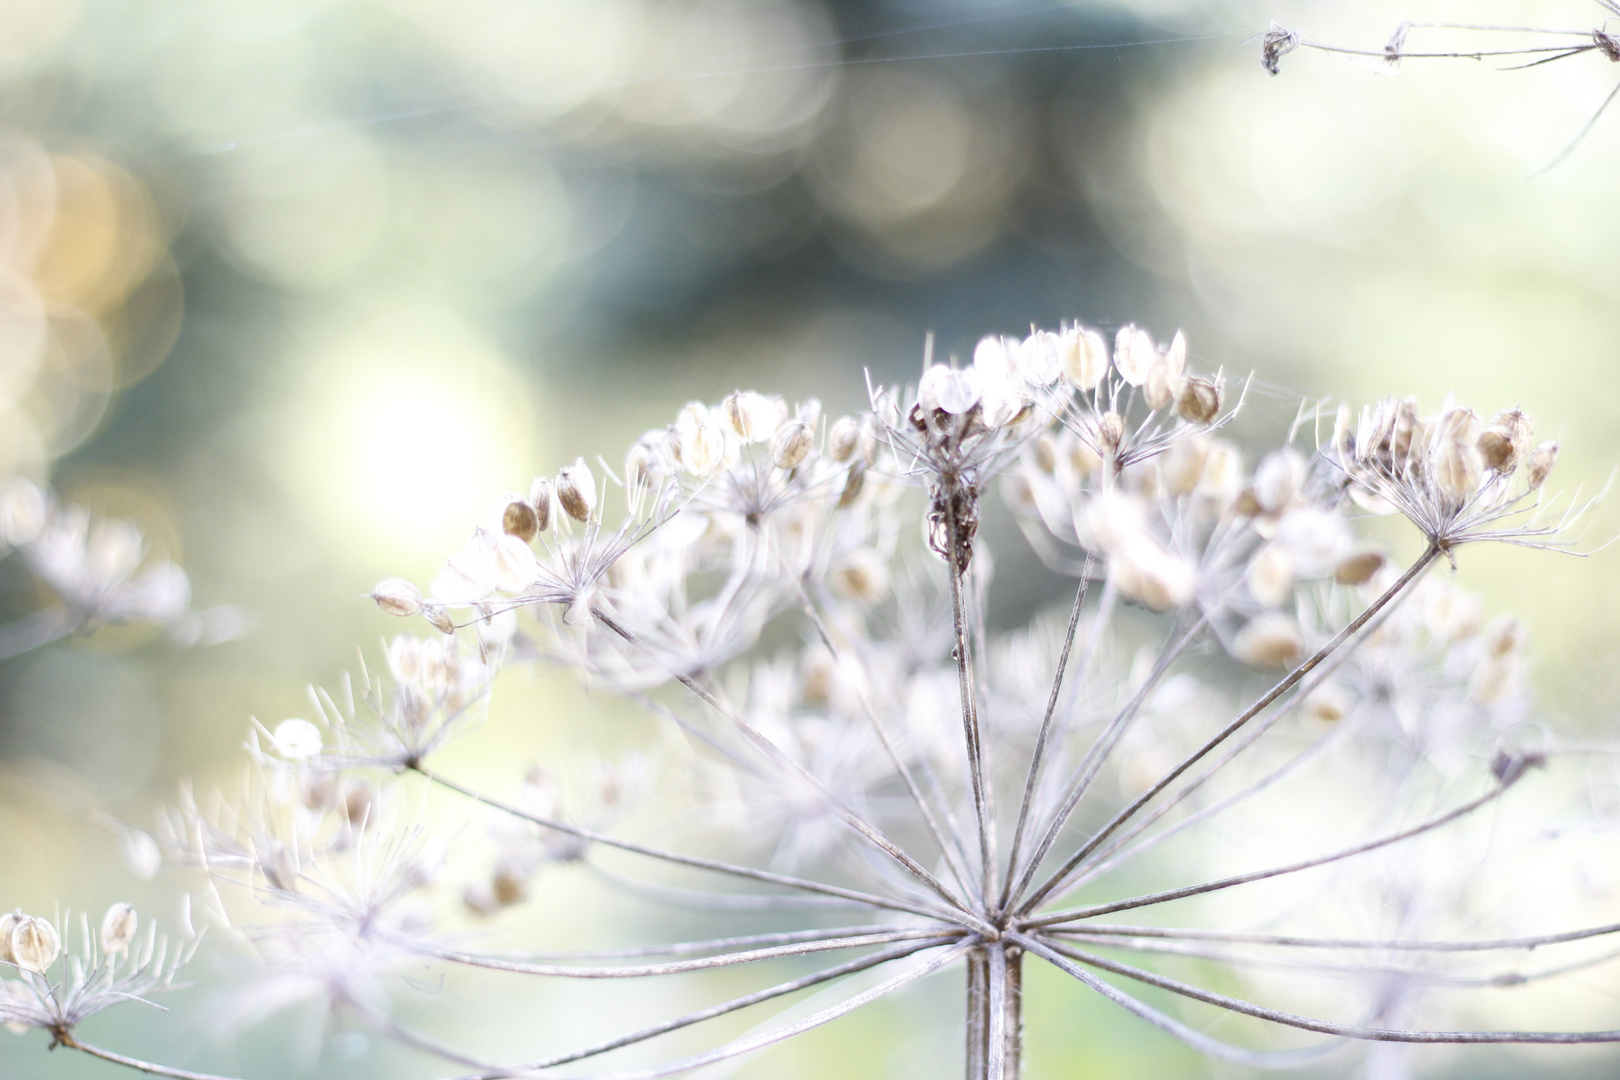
[1200, 401]
[700, 444]
[1134, 354]
[753, 416]
[1358, 567]
[540, 503]
[8, 923]
[118, 928]
[1085, 357]
[1456, 466]
[791, 445]
[1271, 575]
[576, 490]
[397, 597]
[297, 740]
[1271, 640]
[1541, 464]
[1278, 479]
[438, 616]
[520, 520]
[844, 439]
[945, 390]
[34, 944]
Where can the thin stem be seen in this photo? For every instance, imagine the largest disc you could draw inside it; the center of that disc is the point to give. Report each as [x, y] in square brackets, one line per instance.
[1098, 753]
[495, 962]
[709, 901]
[958, 869]
[854, 820]
[1046, 730]
[1150, 899]
[1192, 1037]
[968, 692]
[996, 1036]
[696, 861]
[1323, 1027]
[66, 1039]
[683, 948]
[763, 1039]
[1296, 941]
[1287, 683]
[977, 1048]
[688, 1019]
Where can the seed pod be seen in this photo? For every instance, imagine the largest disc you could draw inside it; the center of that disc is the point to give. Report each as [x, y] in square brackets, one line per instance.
[1159, 389]
[520, 520]
[540, 502]
[1110, 432]
[791, 445]
[118, 928]
[869, 439]
[1328, 703]
[34, 944]
[853, 483]
[753, 416]
[508, 885]
[1134, 354]
[844, 439]
[1271, 575]
[397, 597]
[1456, 470]
[1278, 479]
[438, 616]
[8, 923]
[297, 739]
[1271, 640]
[1358, 567]
[576, 490]
[1044, 453]
[1085, 357]
[862, 575]
[1541, 464]
[1200, 401]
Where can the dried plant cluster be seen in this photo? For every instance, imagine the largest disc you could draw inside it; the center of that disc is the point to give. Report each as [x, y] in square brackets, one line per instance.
[1514, 47]
[1255, 751]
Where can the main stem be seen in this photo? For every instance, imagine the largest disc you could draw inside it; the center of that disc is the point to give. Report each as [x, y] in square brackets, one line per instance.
[985, 1059]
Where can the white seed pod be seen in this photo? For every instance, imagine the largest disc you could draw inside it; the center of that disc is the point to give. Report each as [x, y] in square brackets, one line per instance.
[466, 578]
[791, 445]
[1001, 386]
[809, 413]
[1315, 538]
[844, 439]
[1223, 472]
[8, 923]
[1134, 354]
[118, 928]
[540, 503]
[1456, 468]
[1040, 358]
[1278, 479]
[1085, 357]
[1271, 575]
[1502, 636]
[576, 490]
[1115, 521]
[1110, 433]
[23, 512]
[1541, 463]
[141, 854]
[1153, 576]
[518, 519]
[861, 575]
[1358, 567]
[1159, 390]
[34, 944]
[943, 389]
[1328, 703]
[438, 616]
[1270, 640]
[699, 445]
[1182, 466]
[513, 561]
[397, 597]
[753, 416]
[1200, 401]
[296, 740]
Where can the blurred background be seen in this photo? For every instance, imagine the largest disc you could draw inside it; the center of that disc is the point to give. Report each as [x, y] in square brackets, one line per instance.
[301, 286]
